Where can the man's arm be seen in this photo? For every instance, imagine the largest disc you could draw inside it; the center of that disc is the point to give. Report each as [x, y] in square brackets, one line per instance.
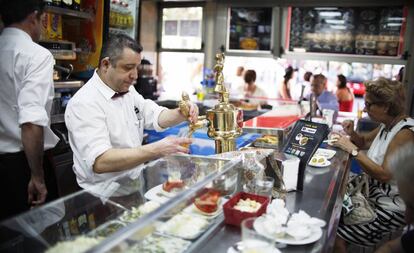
[171, 117]
[114, 160]
[32, 139]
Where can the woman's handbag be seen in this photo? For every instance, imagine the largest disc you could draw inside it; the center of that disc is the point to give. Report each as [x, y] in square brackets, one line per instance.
[361, 211]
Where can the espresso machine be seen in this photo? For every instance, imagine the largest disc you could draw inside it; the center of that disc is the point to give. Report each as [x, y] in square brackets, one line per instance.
[224, 121]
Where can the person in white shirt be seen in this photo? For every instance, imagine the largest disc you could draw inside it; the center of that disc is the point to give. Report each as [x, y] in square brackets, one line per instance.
[26, 94]
[252, 92]
[107, 116]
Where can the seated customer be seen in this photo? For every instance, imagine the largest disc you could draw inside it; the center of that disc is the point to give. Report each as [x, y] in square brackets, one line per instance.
[324, 98]
[344, 95]
[252, 92]
[403, 172]
[384, 103]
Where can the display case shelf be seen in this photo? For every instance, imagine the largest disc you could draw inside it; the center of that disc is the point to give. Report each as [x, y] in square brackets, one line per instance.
[115, 209]
[69, 12]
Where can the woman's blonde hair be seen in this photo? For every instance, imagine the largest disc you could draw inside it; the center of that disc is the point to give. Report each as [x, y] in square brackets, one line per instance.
[387, 92]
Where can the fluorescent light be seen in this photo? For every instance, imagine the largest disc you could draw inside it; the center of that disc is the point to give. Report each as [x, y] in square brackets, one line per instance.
[394, 24]
[335, 21]
[339, 27]
[395, 19]
[325, 8]
[330, 14]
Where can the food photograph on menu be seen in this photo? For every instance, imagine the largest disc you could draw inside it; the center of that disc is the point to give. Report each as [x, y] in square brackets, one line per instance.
[347, 30]
[250, 29]
[305, 138]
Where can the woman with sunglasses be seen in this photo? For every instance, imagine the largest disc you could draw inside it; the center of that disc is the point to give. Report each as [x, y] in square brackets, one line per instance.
[384, 103]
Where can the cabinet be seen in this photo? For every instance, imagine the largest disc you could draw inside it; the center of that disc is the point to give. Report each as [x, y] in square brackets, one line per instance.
[117, 215]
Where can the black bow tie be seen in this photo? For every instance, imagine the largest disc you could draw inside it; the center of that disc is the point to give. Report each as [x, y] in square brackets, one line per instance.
[119, 94]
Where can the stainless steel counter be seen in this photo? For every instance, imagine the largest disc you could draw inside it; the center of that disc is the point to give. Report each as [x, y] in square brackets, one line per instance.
[321, 197]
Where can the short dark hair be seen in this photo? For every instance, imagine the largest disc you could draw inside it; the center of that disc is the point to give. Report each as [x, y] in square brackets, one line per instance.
[250, 76]
[342, 81]
[307, 76]
[115, 45]
[15, 11]
[319, 79]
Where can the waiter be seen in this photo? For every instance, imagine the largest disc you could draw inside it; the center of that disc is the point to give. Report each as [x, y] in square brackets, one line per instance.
[26, 94]
[107, 116]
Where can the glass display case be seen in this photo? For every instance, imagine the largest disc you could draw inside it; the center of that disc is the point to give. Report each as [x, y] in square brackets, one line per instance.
[168, 207]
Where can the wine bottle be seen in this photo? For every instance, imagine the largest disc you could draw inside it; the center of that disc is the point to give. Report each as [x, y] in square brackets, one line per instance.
[67, 4]
[76, 5]
[57, 3]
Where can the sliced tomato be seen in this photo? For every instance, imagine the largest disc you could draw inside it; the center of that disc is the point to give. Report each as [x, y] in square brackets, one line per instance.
[169, 185]
[206, 206]
[208, 202]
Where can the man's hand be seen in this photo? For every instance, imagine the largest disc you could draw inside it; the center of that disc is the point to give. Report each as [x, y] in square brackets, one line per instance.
[193, 112]
[36, 191]
[171, 145]
[348, 126]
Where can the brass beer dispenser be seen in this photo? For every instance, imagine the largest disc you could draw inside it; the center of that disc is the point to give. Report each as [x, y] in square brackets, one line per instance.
[225, 121]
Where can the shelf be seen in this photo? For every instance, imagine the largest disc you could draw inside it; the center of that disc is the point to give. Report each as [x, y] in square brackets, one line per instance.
[57, 118]
[68, 84]
[68, 12]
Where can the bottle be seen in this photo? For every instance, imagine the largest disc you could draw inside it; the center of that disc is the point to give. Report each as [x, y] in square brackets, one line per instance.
[359, 111]
[67, 4]
[57, 3]
[76, 5]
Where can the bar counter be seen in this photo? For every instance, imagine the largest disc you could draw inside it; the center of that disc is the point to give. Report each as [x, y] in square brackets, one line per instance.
[321, 197]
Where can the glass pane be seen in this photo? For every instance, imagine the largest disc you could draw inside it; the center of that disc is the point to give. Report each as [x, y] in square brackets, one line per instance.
[180, 72]
[182, 28]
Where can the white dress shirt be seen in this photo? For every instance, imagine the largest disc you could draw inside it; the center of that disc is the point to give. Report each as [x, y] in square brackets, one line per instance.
[26, 90]
[97, 122]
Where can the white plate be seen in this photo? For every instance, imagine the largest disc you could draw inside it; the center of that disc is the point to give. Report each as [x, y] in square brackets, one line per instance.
[184, 222]
[320, 165]
[327, 153]
[233, 249]
[156, 194]
[315, 235]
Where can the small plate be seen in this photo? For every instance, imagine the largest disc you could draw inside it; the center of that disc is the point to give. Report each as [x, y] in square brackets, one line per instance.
[156, 194]
[184, 222]
[193, 210]
[238, 248]
[320, 165]
[315, 235]
[327, 153]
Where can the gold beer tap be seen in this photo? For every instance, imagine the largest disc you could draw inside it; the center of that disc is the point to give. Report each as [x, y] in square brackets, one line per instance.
[224, 121]
[184, 108]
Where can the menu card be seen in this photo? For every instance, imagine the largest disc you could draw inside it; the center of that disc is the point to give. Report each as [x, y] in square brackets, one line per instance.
[303, 141]
[347, 30]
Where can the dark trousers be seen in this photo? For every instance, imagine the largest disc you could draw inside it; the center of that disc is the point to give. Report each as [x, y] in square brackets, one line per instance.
[14, 179]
